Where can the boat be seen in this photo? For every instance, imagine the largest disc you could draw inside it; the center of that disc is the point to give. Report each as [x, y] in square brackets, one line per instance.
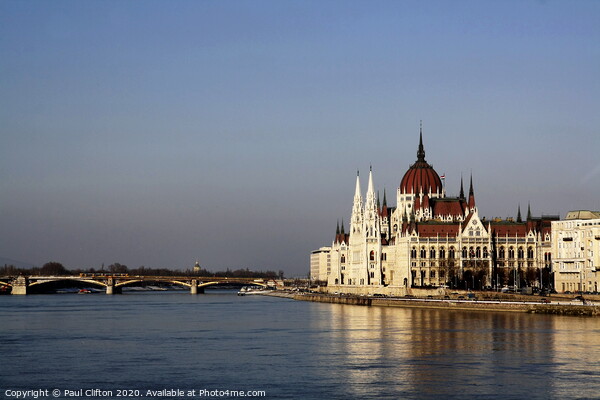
[84, 291]
[253, 290]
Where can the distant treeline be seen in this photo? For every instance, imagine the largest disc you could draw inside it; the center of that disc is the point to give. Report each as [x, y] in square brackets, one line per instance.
[56, 268]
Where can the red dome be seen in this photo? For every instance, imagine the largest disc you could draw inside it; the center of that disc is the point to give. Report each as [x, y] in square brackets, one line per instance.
[421, 176]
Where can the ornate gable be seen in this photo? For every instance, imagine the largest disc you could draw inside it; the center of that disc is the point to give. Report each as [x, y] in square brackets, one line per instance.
[473, 227]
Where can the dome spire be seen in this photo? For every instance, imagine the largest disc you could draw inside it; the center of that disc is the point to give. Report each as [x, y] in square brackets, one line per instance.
[421, 151]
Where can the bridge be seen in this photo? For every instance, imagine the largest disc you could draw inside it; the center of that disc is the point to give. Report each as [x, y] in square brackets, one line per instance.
[114, 283]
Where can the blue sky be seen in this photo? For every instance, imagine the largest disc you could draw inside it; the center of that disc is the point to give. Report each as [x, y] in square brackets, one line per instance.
[156, 133]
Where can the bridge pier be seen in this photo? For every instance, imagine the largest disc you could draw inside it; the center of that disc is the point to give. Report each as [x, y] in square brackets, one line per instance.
[110, 287]
[19, 286]
[194, 289]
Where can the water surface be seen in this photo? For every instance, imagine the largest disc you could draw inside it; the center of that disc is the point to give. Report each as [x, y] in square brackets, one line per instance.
[292, 349]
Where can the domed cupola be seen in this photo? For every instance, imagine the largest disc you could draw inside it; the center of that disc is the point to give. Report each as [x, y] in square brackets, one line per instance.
[421, 177]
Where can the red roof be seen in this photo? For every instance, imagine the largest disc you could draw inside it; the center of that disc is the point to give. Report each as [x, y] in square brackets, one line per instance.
[510, 229]
[443, 208]
[437, 229]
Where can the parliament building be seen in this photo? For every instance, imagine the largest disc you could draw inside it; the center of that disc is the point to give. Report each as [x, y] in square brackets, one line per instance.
[431, 240]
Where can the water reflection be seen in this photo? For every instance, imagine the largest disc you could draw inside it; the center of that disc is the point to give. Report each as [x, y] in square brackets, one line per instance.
[420, 353]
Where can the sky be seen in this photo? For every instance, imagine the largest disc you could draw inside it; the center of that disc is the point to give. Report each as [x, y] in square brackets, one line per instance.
[158, 133]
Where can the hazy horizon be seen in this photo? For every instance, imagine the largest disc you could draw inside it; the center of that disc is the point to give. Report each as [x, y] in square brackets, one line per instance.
[160, 133]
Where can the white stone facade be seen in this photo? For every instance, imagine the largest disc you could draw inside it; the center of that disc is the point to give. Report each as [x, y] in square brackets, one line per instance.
[576, 250]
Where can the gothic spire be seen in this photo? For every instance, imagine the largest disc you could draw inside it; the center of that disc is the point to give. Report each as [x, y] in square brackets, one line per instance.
[337, 228]
[371, 200]
[370, 188]
[462, 191]
[357, 191]
[421, 151]
[528, 211]
[342, 228]
[471, 194]
[519, 219]
[471, 186]
[357, 206]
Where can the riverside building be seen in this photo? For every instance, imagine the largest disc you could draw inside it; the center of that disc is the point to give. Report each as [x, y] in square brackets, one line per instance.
[320, 264]
[576, 249]
[430, 240]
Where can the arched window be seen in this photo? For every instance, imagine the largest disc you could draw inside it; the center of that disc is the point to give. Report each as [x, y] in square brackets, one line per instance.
[478, 252]
[530, 252]
[501, 252]
[442, 252]
[520, 252]
[423, 252]
[372, 255]
[464, 252]
[471, 252]
[511, 252]
[343, 260]
[432, 253]
[451, 253]
[485, 253]
[413, 252]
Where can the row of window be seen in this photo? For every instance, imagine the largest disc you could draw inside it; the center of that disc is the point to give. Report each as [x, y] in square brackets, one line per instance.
[471, 252]
[371, 257]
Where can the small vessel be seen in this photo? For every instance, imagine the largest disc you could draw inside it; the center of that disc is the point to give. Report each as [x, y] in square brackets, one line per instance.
[84, 291]
[253, 290]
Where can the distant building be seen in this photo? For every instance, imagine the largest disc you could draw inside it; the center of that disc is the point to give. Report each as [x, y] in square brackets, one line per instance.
[320, 264]
[576, 249]
[197, 267]
[430, 239]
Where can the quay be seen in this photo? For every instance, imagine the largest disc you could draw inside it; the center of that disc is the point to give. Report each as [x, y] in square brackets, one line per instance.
[524, 304]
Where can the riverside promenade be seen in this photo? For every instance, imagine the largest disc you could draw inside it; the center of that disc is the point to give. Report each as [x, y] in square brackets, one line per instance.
[558, 305]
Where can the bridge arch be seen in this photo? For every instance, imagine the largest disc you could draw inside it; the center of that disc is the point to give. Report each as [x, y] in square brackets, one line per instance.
[67, 278]
[38, 286]
[231, 282]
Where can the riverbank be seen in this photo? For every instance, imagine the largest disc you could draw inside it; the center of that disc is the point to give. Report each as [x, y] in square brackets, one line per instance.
[530, 305]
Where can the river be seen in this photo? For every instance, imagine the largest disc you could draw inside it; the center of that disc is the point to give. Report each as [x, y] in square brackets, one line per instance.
[290, 349]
